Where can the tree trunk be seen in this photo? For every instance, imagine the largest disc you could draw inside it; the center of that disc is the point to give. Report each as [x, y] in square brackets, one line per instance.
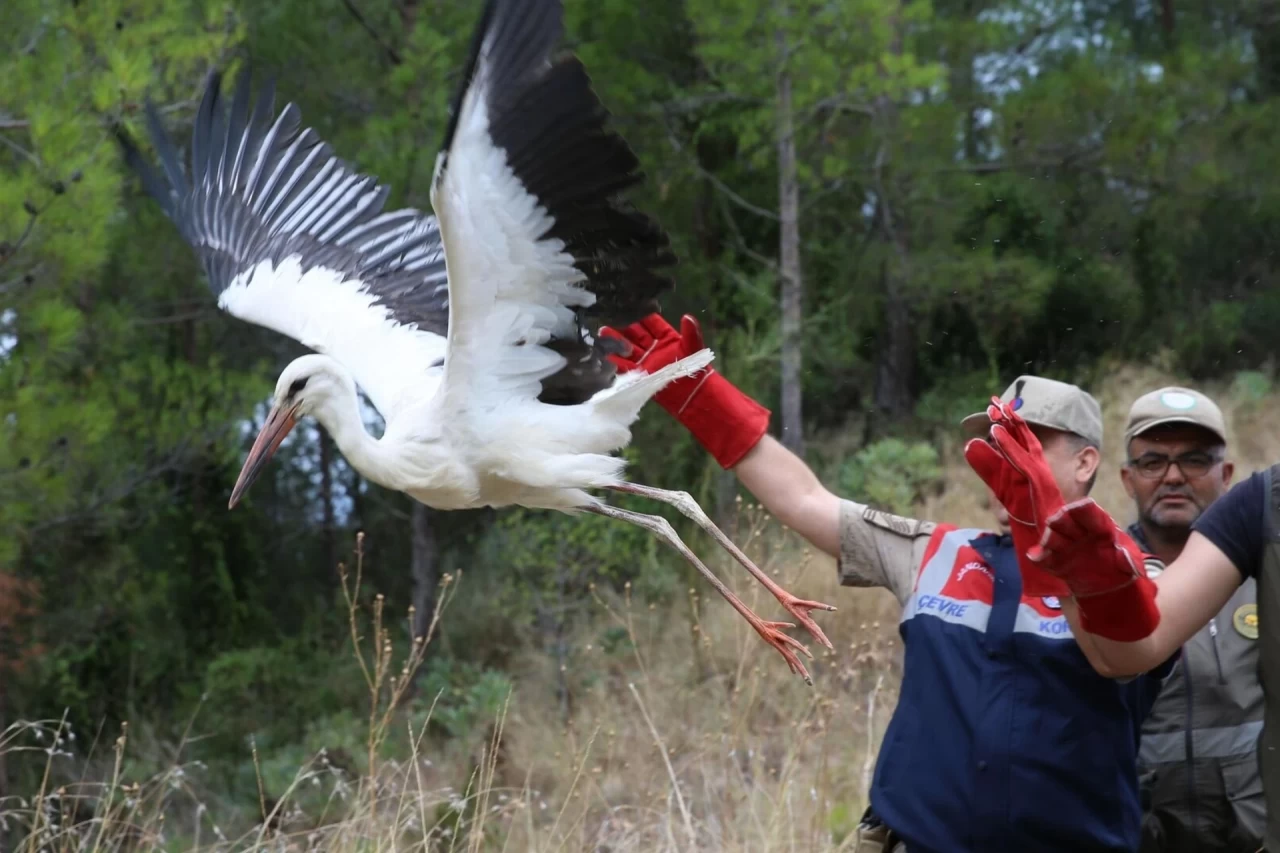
[198, 470]
[709, 234]
[357, 499]
[326, 498]
[1265, 24]
[1166, 17]
[965, 88]
[426, 568]
[726, 491]
[895, 362]
[4, 719]
[789, 258]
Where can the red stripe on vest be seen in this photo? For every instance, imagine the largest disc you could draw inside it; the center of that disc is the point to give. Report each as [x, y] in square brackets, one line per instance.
[935, 542]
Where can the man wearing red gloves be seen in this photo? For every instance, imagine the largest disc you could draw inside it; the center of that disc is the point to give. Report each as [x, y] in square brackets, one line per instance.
[1127, 622]
[1005, 738]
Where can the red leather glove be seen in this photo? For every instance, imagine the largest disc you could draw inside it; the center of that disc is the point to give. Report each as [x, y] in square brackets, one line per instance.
[1080, 546]
[1105, 569]
[721, 418]
[1015, 470]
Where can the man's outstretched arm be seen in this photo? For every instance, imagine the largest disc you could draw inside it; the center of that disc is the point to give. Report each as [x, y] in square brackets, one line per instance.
[732, 427]
[1189, 592]
[790, 491]
[1225, 546]
[871, 548]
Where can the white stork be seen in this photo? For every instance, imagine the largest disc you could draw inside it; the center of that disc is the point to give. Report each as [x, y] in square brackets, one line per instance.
[467, 332]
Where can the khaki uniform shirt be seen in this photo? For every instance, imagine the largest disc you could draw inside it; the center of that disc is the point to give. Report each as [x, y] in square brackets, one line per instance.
[881, 549]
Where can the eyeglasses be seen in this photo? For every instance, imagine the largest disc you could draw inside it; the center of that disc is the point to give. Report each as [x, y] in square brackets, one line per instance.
[1195, 464]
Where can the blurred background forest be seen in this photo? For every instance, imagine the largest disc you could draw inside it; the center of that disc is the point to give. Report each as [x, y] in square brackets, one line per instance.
[884, 209]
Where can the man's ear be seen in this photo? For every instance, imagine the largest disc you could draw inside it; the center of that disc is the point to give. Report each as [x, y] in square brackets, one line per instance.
[1087, 461]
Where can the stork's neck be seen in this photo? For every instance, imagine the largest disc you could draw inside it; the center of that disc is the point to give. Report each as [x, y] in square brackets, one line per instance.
[374, 460]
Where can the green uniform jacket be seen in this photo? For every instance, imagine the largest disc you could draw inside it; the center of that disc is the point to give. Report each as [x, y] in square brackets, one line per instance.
[1198, 762]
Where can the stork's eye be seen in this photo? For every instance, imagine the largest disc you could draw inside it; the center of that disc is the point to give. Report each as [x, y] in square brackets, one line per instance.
[298, 384]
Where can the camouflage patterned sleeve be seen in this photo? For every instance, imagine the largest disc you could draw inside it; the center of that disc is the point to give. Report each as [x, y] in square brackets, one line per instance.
[880, 549]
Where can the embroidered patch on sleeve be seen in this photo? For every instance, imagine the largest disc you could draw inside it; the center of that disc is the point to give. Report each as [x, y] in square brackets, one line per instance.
[879, 548]
[908, 528]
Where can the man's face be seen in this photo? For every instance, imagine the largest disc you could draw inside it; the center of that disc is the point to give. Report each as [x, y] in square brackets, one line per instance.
[1072, 462]
[1002, 514]
[1172, 494]
[1073, 465]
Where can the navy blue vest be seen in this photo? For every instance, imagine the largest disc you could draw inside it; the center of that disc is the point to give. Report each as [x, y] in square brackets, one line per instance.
[1005, 740]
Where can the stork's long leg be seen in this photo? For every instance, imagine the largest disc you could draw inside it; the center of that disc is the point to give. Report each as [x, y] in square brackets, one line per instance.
[684, 502]
[768, 630]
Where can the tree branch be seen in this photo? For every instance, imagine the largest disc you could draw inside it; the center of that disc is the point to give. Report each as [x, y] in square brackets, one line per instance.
[21, 152]
[839, 104]
[7, 251]
[25, 280]
[373, 34]
[720, 185]
[11, 123]
[741, 242]
[685, 106]
[195, 314]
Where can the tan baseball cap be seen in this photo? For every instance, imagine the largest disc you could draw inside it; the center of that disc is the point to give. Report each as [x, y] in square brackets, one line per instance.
[1048, 403]
[1174, 405]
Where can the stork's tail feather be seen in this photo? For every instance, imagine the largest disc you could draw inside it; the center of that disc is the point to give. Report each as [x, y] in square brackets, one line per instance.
[632, 390]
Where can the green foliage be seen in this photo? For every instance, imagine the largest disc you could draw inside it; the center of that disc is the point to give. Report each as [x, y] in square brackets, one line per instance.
[944, 406]
[458, 701]
[105, 422]
[890, 474]
[464, 696]
[544, 567]
[1003, 294]
[294, 678]
[842, 821]
[1252, 386]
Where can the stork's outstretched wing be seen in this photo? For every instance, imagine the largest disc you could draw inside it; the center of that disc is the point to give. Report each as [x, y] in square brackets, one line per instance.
[294, 239]
[540, 248]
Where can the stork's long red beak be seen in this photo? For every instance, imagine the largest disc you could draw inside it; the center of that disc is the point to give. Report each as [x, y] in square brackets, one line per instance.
[279, 423]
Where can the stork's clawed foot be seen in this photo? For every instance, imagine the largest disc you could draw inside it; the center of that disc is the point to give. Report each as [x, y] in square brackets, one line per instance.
[771, 632]
[799, 610]
[784, 643]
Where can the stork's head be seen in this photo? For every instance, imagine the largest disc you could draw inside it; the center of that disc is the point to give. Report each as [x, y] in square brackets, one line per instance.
[305, 386]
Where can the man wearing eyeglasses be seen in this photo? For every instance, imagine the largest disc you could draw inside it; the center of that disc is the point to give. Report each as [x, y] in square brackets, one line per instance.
[1198, 759]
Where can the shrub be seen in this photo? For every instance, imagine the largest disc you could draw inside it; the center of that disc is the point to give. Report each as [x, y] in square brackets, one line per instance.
[890, 474]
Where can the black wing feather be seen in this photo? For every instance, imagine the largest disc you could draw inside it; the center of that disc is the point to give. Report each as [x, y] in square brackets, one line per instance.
[545, 116]
[266, 190]
[263, 187]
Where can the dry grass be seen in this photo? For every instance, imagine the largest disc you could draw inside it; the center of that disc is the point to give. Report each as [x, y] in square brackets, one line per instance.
[694, 736]
[713, 744]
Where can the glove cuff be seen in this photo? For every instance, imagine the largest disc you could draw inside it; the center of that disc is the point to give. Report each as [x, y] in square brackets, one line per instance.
[1126, 614]
[725, 421]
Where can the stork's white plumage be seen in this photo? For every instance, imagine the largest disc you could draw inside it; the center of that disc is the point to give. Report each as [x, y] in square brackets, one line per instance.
[468, 333]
